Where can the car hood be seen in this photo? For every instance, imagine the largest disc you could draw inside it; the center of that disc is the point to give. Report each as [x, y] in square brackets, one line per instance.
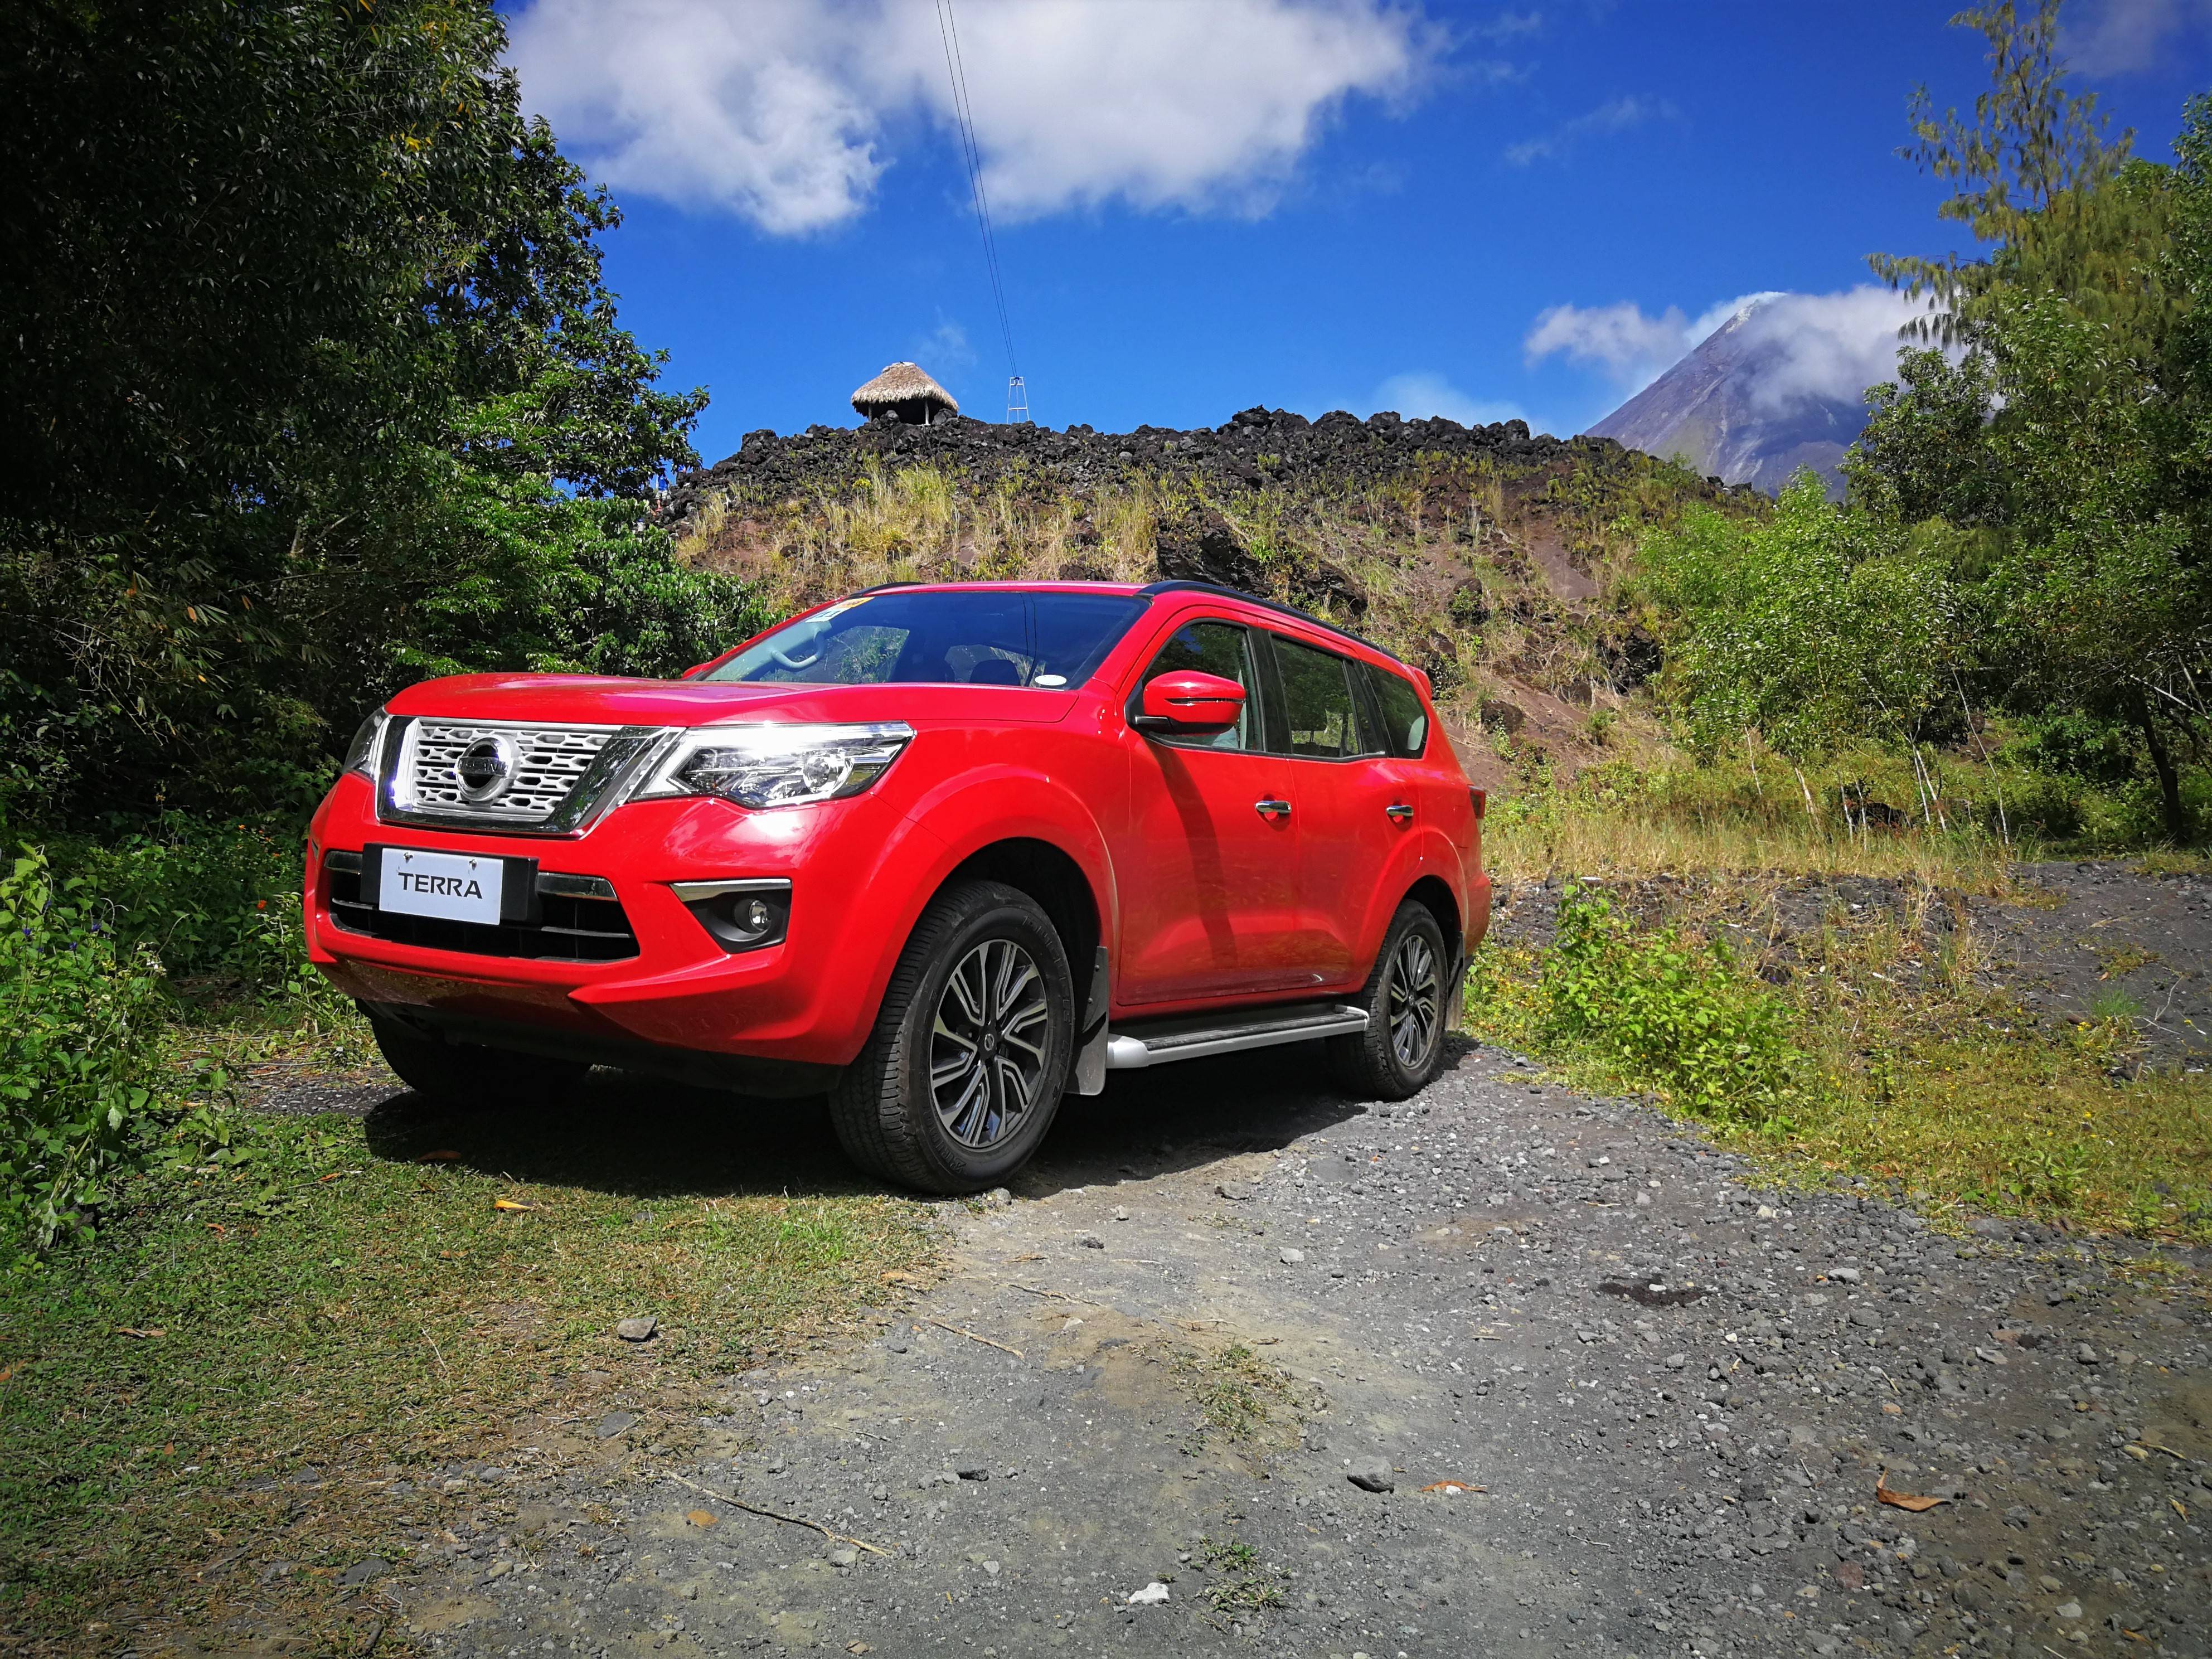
[600, 700]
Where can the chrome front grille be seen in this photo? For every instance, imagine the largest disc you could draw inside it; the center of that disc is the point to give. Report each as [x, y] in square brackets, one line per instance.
[523, 777]
[549, 762]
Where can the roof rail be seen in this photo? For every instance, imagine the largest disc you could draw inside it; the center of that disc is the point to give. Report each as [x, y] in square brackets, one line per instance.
[1180, 586]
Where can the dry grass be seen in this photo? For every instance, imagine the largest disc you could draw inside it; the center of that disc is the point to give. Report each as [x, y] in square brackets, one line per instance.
[1913, 1071]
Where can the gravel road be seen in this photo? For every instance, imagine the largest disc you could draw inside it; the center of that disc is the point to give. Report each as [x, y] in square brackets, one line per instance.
[1670, 1394]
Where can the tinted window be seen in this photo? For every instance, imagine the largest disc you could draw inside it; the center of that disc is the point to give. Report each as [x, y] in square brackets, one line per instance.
[1404, 722]
[1212, 648]
[977, 636]
[1317, 702]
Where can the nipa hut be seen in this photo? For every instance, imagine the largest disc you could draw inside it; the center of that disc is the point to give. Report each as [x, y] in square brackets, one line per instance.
[903, 392]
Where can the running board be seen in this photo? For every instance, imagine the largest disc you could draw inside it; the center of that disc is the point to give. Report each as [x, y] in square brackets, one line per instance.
[1193, 1036]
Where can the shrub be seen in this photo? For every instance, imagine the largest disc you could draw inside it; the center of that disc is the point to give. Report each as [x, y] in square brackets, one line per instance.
[1675, 1013]
[79, 1011]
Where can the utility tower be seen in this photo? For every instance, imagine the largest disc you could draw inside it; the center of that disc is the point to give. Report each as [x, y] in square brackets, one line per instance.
[1018, 401]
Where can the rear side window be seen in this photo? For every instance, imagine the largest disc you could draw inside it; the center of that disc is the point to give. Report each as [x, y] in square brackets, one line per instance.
[1219, 648]
[1404, 722]
[1320, 711]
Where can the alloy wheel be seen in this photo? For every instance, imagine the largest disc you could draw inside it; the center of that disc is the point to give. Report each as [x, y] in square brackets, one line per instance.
[1415, 993]
[987, 1048]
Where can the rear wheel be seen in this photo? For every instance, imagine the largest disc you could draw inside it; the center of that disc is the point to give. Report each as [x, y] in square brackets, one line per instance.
[468, 1074]
[969, 1055]
[1403, 1045]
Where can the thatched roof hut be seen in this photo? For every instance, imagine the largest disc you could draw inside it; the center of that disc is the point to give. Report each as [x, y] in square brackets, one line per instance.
[904, 393]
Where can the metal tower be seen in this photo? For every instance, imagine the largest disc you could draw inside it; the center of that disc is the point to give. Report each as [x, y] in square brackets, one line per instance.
[1018, 401]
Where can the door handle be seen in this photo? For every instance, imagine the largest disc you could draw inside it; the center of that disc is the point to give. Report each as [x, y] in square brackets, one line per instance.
[1398, 812]
[1270, 808]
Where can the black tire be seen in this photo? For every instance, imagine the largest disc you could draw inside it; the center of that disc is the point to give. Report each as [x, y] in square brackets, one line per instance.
[1403, 1046]
[905, 1110]
[468, 1074]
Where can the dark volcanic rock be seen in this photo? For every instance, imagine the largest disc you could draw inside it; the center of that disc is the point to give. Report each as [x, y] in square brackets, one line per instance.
[1275, 447]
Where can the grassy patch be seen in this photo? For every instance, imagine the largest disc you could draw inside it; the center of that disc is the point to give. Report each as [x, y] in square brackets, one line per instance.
[1237, 1582]
[1239, 1396]
[274, 1360]
[1883, 1055]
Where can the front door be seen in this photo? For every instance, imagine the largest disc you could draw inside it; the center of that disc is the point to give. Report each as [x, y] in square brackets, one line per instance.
[1208, 864]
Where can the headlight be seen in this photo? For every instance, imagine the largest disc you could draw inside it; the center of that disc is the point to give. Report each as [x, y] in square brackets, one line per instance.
[361, 753]
[778, 765]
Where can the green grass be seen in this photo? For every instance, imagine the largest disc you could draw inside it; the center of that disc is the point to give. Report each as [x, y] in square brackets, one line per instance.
[1882, 1056]
[345, 1296]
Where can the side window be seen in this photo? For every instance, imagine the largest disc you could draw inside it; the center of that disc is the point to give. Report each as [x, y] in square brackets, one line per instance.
[1404, 722]
[1220, 648]
[1321, 720]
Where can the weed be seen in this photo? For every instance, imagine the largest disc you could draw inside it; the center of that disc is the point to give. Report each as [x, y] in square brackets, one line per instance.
[1240, 1583]
[1238, 1396]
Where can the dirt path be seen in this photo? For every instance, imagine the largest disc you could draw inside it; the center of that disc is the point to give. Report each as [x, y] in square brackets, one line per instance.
[1675, 1393]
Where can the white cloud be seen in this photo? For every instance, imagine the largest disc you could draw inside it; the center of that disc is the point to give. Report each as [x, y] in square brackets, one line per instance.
[1629, 346]
[1420, 396]
[2117, 37]
[782, 110]
[1618, 115]
[1797, 346]
[1812, 346]
[1508, 25]
[945, 345]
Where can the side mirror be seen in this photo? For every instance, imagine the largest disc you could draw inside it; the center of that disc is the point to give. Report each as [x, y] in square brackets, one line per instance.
[1190, 704]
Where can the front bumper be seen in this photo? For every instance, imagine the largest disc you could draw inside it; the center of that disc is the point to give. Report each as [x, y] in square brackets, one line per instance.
[807, 999]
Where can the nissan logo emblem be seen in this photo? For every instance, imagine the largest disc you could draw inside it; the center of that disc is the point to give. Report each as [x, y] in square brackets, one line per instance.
[486, 768]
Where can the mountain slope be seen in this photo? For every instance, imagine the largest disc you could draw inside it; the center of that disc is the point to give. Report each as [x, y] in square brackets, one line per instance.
[1722, 412]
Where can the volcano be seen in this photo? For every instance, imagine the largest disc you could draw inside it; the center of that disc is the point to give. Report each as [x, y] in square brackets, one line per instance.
[1717, 412]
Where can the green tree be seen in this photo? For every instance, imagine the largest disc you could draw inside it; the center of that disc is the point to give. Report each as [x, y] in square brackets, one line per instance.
[1815, 627]
[2064, 434]
[314, 386]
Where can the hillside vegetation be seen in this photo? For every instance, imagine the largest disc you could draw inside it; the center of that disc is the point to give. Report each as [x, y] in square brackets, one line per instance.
[1497, 562]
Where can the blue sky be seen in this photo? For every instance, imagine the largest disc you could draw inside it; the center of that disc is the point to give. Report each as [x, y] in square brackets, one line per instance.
[1476, 210]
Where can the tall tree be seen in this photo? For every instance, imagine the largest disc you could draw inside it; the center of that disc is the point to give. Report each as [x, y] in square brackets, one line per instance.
[314, 383]
[2064, 427]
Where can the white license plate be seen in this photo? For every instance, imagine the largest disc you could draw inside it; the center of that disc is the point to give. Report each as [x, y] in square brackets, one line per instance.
[449, 885]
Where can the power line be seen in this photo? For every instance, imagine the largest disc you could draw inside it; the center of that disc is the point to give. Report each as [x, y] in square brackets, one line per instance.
[955, 70]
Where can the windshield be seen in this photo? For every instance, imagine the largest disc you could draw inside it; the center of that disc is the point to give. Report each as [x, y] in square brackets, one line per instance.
[975, 637]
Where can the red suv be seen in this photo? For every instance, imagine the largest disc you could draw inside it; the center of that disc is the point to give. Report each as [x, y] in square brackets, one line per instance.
[940, 853]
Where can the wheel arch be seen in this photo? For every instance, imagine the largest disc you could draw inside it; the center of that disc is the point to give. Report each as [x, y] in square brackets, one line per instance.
[1051, 876]
[1433, 893]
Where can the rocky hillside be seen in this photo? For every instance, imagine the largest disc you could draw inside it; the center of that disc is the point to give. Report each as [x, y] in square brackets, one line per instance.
[1489, 555]
[1711, 413]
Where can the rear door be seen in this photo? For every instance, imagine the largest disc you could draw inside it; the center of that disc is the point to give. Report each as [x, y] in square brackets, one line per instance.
[1207, 866]
[1344, 789]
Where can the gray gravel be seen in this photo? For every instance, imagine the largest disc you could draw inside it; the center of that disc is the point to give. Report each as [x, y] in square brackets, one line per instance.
[1675, 1393]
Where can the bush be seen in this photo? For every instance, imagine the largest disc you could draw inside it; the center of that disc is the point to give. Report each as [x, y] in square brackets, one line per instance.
[79, 1011]
[216, 899]
[1675, 1014]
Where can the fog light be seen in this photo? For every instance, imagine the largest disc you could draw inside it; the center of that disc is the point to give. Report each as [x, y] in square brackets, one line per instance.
[740, 915]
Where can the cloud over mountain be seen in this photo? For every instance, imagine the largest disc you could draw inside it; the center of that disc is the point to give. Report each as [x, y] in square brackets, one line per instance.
[787, 112]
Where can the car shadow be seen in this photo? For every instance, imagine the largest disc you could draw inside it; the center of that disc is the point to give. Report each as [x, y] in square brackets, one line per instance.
[642, 1138]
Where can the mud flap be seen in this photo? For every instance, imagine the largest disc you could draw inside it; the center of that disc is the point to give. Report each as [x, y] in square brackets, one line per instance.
[1455, 994]
[1090, 1045]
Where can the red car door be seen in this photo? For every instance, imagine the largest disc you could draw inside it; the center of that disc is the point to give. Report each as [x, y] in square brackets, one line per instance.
[1348, 797]
[1207, 865]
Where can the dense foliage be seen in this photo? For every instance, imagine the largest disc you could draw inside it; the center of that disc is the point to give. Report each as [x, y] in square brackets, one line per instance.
[313, 388]
[2029, 528]
[1674, 1010]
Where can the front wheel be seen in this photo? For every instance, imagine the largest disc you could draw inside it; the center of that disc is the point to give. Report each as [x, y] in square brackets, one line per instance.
[964, 1070]
[1403, 1045]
